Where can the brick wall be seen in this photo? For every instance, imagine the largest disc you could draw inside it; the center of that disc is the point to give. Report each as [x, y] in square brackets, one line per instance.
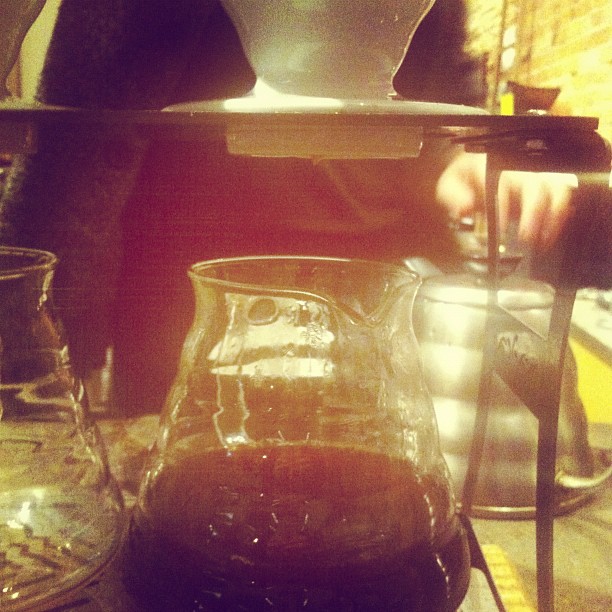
[559, 43]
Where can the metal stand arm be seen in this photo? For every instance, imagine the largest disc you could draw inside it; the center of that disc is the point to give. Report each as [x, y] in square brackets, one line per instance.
[531, 365]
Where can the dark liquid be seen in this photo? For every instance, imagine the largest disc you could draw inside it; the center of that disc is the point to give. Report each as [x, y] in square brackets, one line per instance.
[296, 527]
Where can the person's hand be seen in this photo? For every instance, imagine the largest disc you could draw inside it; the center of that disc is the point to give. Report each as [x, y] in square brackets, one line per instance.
[541, 201]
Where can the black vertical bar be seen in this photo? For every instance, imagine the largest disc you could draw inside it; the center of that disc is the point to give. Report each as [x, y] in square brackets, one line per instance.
[547, 445]
[488, 355]
[492, 175]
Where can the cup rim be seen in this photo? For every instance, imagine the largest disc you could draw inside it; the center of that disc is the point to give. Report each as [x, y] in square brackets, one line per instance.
[198, 274]
[34, 260]
[197, 270]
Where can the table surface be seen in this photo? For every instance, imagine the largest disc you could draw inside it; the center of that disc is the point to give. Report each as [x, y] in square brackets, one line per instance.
[215, 112]
[583, 541]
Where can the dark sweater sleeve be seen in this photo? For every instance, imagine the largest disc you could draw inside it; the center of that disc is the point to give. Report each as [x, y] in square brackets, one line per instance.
[68, 197]
[437, 67]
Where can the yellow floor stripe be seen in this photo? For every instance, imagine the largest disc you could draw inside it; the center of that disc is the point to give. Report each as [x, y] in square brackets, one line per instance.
[506, 580]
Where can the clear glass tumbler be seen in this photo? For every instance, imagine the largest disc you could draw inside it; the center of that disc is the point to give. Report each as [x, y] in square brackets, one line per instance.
[61, 513]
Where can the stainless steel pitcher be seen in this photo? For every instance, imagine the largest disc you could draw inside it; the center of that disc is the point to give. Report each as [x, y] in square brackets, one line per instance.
[449, 316]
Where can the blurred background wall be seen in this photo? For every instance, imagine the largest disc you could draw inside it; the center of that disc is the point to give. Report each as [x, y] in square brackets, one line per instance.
[548, 43]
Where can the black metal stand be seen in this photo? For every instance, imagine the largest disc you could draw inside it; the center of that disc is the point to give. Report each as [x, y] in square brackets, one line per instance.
[531, 364]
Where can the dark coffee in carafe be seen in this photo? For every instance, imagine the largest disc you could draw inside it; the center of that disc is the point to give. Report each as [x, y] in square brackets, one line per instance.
[297, 464]
[296, 527]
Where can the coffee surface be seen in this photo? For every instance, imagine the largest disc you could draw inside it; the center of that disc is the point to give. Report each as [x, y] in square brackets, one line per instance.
[297, 526]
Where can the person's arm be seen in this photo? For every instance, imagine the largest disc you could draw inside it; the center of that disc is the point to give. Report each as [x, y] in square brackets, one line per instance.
[541, 201]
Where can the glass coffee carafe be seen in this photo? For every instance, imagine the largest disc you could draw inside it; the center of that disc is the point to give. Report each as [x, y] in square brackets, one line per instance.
[61, 513]
[297, 463]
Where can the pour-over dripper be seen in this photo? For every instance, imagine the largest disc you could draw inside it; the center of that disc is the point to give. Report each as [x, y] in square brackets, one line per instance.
[297, 462]
[325, 57]
[327, 48]
[61, 513]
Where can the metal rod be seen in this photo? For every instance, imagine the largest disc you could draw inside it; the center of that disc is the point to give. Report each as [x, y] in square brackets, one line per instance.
[488, 359]
[547, 446]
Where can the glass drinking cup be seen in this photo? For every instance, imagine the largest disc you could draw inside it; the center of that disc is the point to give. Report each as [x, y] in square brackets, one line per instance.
[61, 512]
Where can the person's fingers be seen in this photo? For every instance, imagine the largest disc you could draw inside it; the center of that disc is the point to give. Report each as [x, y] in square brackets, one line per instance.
[545, 207]
[457, 195]
[460, 188]
[541, 201]
[560, 211]
[535, 204]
